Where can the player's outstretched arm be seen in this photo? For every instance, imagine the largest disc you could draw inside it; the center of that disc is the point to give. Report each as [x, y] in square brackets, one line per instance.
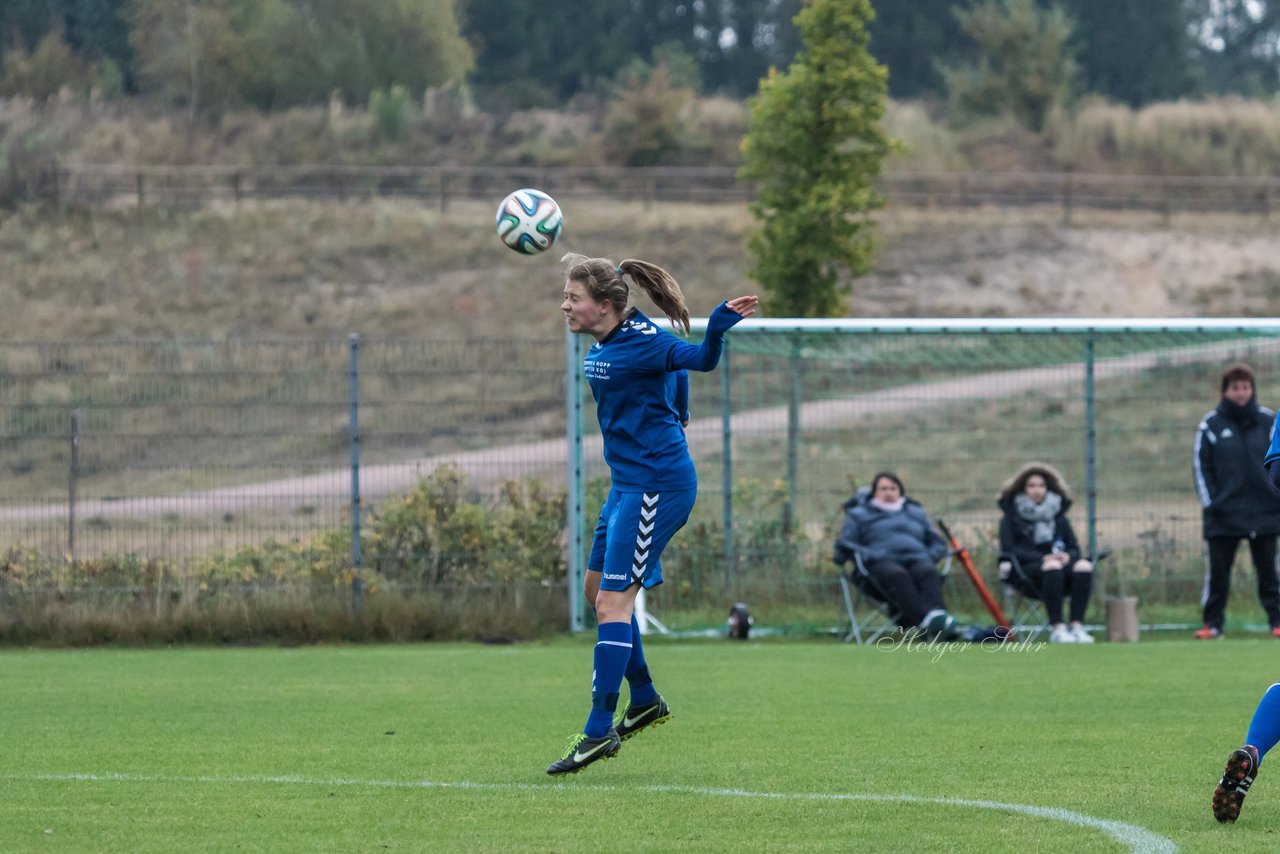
[705, 356]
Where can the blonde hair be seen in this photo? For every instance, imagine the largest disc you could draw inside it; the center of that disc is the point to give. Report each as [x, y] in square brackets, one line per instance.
[605, 282]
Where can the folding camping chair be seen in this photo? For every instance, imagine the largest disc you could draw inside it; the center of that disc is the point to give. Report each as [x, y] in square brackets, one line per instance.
[870, 613]
[1023, 600]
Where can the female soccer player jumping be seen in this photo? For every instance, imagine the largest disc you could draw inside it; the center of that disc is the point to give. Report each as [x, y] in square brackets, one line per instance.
[633, 369]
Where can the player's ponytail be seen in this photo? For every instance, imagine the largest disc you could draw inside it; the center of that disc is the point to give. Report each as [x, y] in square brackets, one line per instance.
[605, 283]
[661, 287]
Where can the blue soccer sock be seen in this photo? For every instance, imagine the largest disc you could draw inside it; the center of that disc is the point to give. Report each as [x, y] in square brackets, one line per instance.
[1264, 729]
[642, 691]
[613, 651]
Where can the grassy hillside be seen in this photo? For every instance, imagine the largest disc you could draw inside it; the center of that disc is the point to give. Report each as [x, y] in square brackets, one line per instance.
[395, 268]
[387, 269]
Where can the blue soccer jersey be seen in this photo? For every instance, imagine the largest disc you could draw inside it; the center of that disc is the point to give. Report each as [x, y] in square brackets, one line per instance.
[1273, 452]
[680, 395]
[640, 402]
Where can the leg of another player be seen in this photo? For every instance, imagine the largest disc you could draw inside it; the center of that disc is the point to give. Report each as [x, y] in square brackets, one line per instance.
[1243, 763]
[1264, 729]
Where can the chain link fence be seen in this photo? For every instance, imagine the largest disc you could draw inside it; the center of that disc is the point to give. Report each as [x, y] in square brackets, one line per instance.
[175, 470]
[803, 413]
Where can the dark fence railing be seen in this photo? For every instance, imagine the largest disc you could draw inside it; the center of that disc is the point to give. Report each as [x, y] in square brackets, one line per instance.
[143, 185]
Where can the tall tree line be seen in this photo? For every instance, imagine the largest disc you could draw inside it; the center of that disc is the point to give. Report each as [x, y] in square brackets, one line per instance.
[546, 53]
[95, 29]
[1131, 51]
[213, 54]
[278, 53]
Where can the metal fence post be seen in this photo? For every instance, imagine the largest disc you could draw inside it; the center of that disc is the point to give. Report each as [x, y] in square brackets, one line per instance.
[574, 478]
[796, 373]
[726, 443]
[1090, 446]
[353, 384]
[72, 483]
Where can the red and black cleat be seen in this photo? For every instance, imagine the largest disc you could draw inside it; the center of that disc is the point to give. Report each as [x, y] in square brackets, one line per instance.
[1242, 767]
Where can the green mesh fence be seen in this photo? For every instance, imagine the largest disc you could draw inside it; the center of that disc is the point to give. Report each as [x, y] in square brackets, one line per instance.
[955, 408]
[175, 451]
[185, 452]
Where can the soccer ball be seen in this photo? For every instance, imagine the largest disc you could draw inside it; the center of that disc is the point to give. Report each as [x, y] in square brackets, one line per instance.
[529, 221]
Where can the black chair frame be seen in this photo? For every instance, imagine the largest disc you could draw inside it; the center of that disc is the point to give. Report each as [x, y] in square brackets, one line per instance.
[869, 613]
[1022, 596]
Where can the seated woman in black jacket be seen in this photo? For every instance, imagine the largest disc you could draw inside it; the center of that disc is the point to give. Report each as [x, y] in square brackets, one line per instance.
[1035, 530]
[900, 549]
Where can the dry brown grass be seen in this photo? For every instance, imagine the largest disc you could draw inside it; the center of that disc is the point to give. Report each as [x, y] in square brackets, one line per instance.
[1226, 136]
[254, 617]
[1223, 136]
[394, 268]
[385, 268]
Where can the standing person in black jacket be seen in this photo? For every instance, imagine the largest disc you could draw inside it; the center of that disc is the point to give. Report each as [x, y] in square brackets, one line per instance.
[1236, 499]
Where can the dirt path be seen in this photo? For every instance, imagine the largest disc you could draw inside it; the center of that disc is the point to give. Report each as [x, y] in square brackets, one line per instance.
[547, 457]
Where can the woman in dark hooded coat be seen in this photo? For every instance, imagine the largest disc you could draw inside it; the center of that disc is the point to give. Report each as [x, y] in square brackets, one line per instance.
[1035, 530]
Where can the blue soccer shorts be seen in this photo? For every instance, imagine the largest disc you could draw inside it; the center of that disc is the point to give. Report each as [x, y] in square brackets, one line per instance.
[632, 531]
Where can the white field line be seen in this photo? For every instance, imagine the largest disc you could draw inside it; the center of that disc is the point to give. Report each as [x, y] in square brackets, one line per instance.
[1135, 838]
[501, 463]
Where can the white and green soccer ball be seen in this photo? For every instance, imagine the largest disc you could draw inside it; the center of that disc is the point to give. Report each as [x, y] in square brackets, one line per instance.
[529, 221]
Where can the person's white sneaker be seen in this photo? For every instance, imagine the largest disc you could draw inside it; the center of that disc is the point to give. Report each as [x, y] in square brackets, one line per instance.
[1062, 634]
[1081, 635]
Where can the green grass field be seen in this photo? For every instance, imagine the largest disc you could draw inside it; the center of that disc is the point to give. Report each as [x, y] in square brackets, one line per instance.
[774, 746]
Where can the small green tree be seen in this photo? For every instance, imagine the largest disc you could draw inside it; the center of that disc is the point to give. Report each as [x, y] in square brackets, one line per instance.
[188, 51]
[814, 145]
[1026, 64]
[391, 109]
[46, 71]
[650, 122]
